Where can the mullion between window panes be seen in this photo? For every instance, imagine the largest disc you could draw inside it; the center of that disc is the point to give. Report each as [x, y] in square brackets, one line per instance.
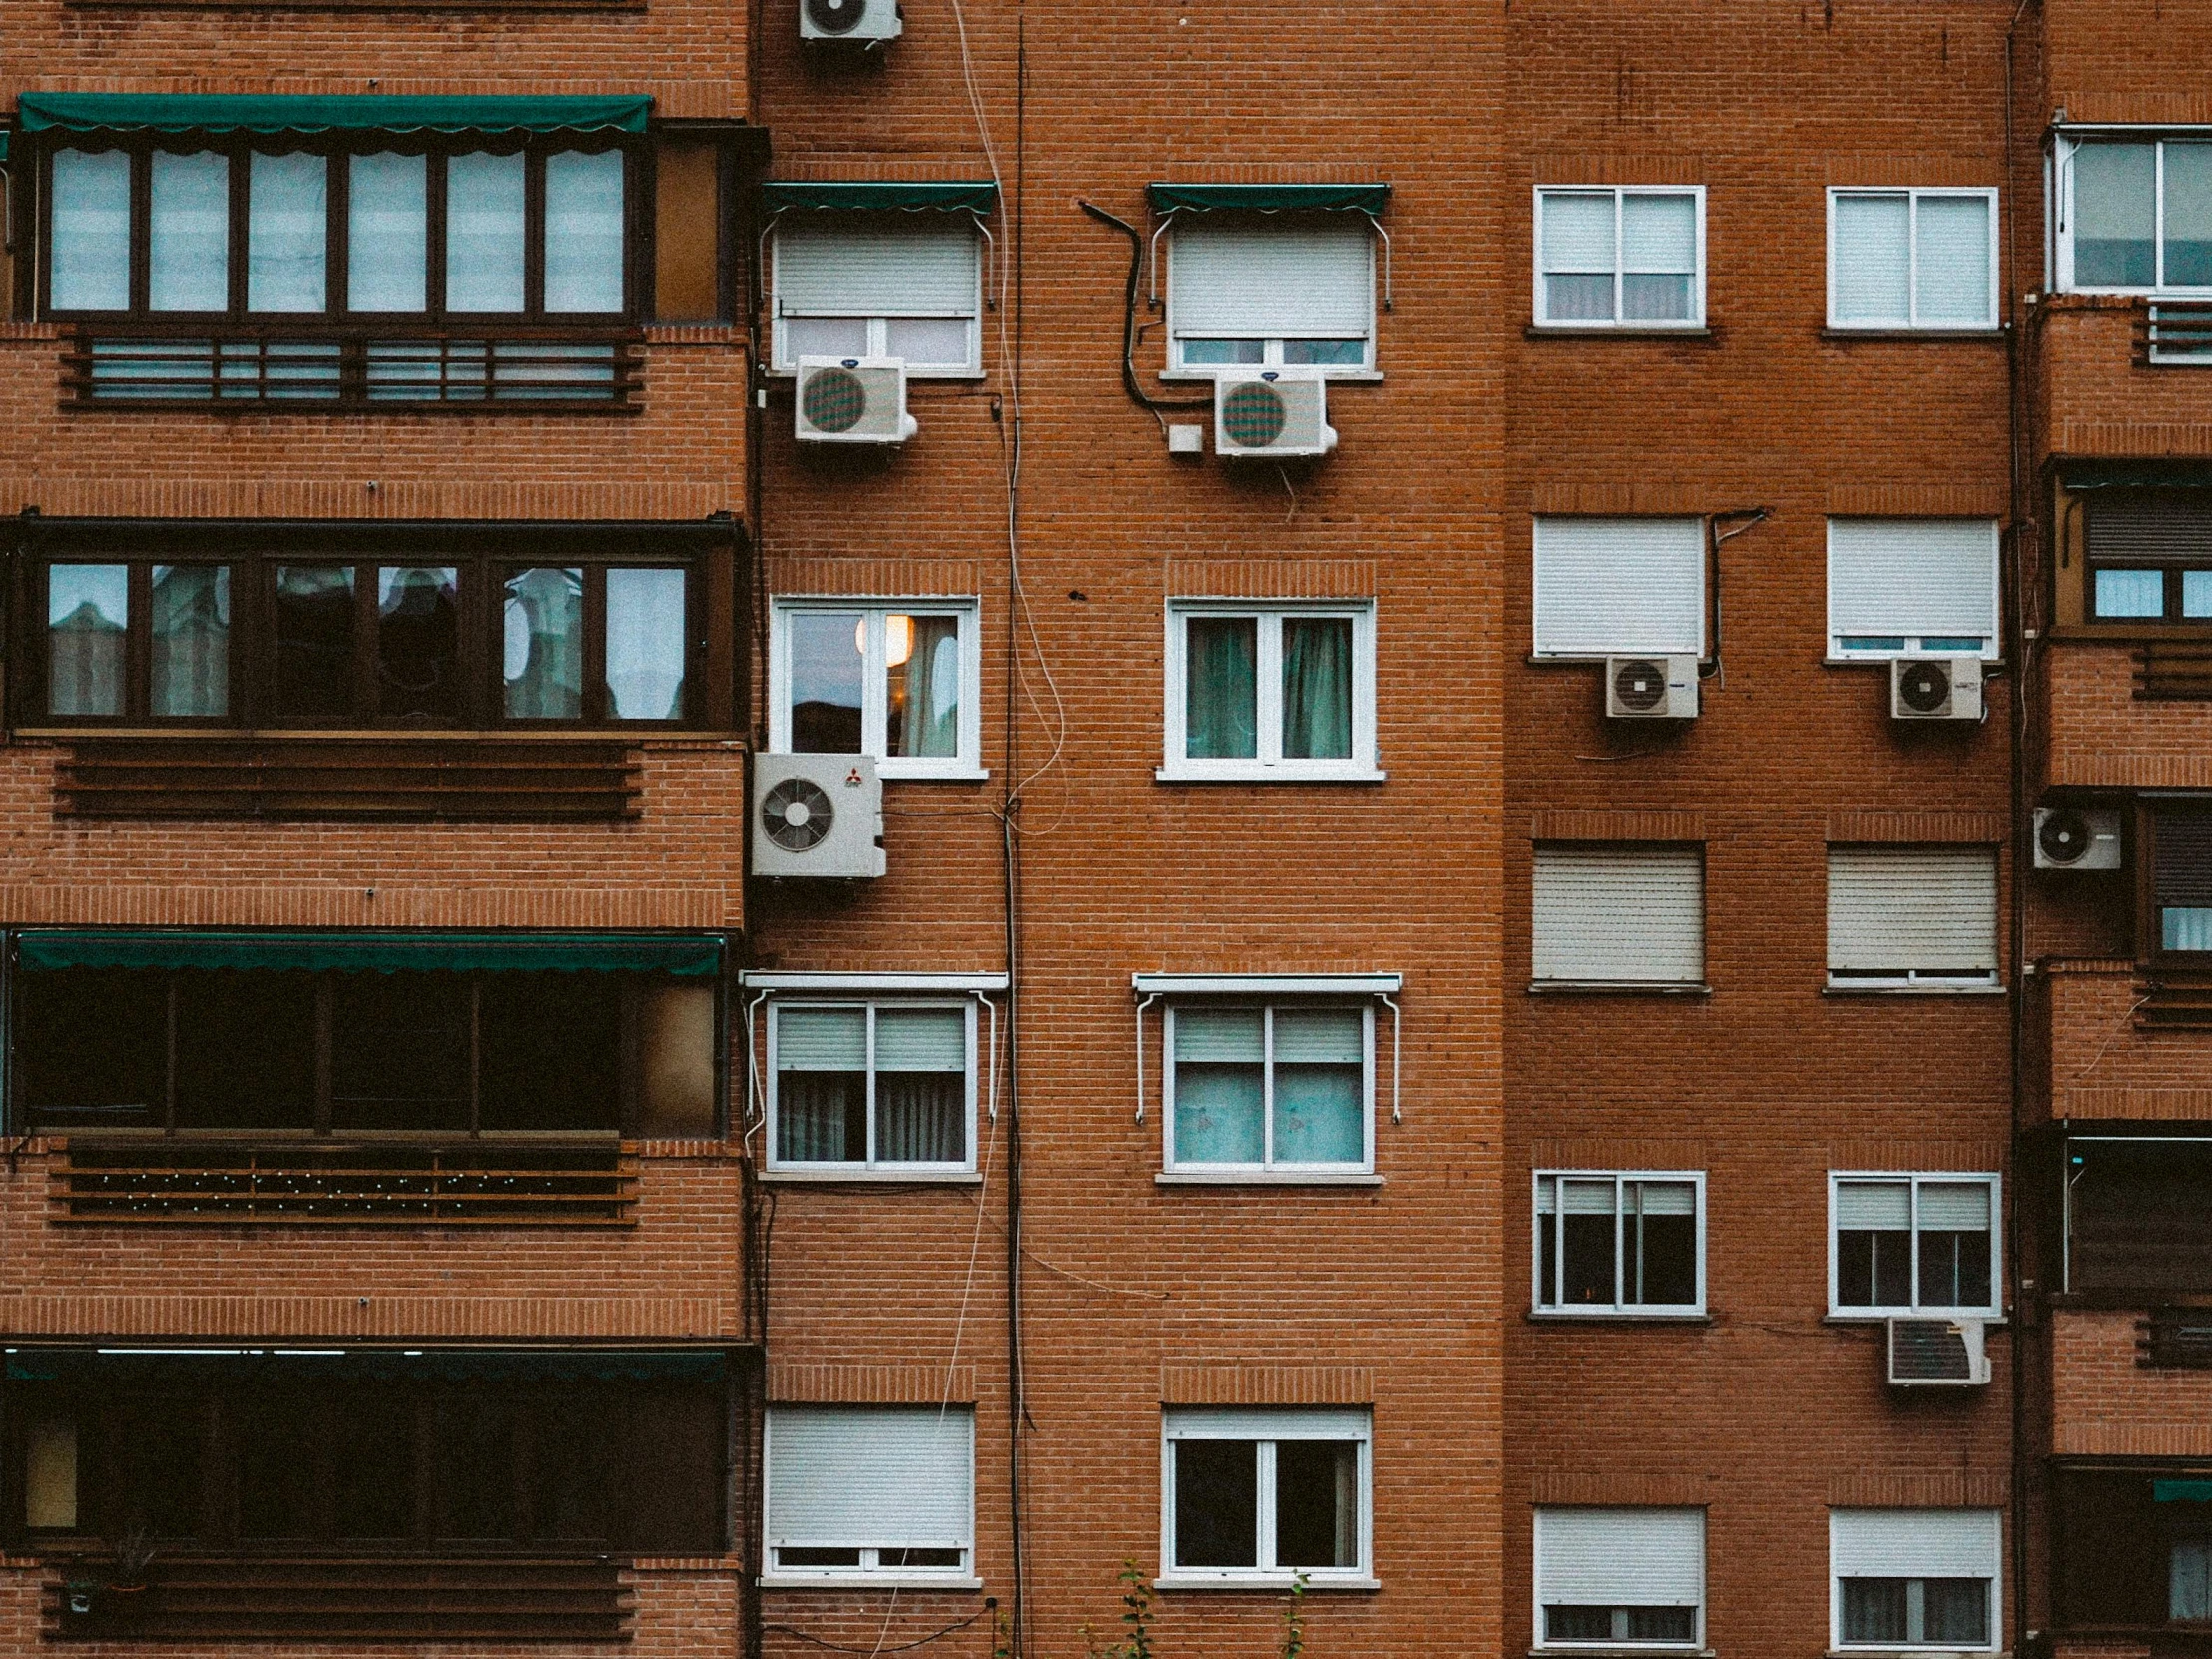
[337, 226]
[1620, 258]
[235, 229]
[138, 652]
[1912, 1242]
[433, 240]
[596, 701]
[1267, 1087]
[142, 233]
[1913, 259]
[868, 1091]
[1264, 1484]
[1620, 1241]
[533, 235]
[2159, 214]
[875, 690]
[1267, 714]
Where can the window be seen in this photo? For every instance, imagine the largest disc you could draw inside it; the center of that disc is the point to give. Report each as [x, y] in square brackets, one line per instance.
[1627, 256]
[866, 1494]
[2138, 1216]
[2149, 555]
[2181, 881]
[1282, 1086]
[1619, 1244]
[1261, 1497]
[1275, 294]
[855, 286]
[900, 680]
[1914, 1244]
[1621, 1577]
[1907, 1578]
[1276, 693]
[1912, 918]
[2131, 1547]
[882, 1087]
[1912, 259]
[2134, 213]
[1903, 587]
[1619, 587]
[1625, 916]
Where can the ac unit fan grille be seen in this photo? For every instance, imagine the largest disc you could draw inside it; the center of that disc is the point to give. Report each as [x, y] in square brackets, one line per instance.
[2066, 836]
[797, 814]
[834, 399]
[1925, 687]
[836, 17]
[1640, 685]
[1254, 415]
[1929, 1351]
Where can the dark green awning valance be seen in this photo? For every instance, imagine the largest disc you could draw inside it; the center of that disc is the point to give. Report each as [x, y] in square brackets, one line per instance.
[1269, 199]
[199, 112]
[51, 949]
[876, 195]
[304, 1364]
[2137, 475]
[2181, 1491]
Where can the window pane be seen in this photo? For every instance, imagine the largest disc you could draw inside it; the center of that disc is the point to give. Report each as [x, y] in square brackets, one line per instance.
[1872, 260]
[1578, 1624]
[825, 337]
[2131, 593]
[2189, 225]
[542, 647]
[418, 643]
[2185, 928]
[246, 1047]
[315, 641]
[287, 222]
[1208, 353]
[87, 609]
[928, 341]
[1578, 232]
[1317, 1503]
[583, 231]
[1660, 1624]
[1320, 1077]
[91, 270]
[1587, 1268]
[1955, 1611]
[646, 636]
[188, 247]
[1578, 298]
[1650, 299]
[2196, 593]
[821, 1085]
[922, 659]
[1316, 688]
[1955, 1269]
[1660, 1242]
[1873, 1610]
[1217, 1503]
[826, 664]
[1659, 233]
[483, 232]
[1335, 353]
[922, 1085]
[477, 1461]
[276, 1471]
[399, 1051]
[1217, 1088]
[1951, 260]
[2189, 1582]
[388, 246]
[1221, 681]
[375, 1474]
[191, 628]
[1872, 1267]
[2115, 203]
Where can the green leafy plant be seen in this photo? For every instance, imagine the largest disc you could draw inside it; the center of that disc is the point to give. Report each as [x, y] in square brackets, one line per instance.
[1293, 1619]
[1135, 1642]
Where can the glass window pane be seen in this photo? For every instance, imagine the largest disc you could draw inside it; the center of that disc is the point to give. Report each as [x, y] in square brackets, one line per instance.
[483, 232]
[400, 1050]
[1316, 688]
[1659, 1624]
[1578, 298]
[1220, 688]
[387, 246]
[2131, 593]
[1873, 1610]
[376, 1476]
[928, 341]
[1586, 1269]
[1317, 1503]
[1955, 1267]
[647, 634]
[418, 643]
[825, 337]
[1955, 1611]
[287, 224]
[1659, 1243]
[315, 641]
[191, 628]
[1655, 299]
[1217, 1088]
[2189, 1582]
[1873, 259]
[922, 657]
[2196, 593]
[1208, 353]
[87, 610]
[1217, 1503]
[188, 245]
[1336, 353]
[1319, 1086]
[91, 269]
[922, 1085]
[542, 645]
[2115, 203]
[583, 231]
[1578, 1624]
[2188, 228]
[1578, 232]
[1952, 251]
[1659, 233]
[1874, 1268]
[2185, 928]
[828, 659]
[821, 1085]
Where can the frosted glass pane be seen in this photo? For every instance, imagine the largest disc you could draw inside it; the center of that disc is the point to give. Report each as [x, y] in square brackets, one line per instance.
[388, 234]
[1952, 272]
[2188, 247]
[1873, 259]
[483, 232]
[1578, 232]
[287, 222]
[825, 337]
[645, 644]
[1659, 233]
[91, 270]
[2114, 205]
[928, 341]
[2131, 593]
[583, 232]
[188, 245]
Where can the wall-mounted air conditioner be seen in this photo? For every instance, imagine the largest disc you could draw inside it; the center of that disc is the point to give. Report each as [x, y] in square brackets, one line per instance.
[817, 815]
[854, 400]
[861, 22]
[1651, 688]
[2077, 837]
[1272, 414]
[1936, 688]
[1935, 1354]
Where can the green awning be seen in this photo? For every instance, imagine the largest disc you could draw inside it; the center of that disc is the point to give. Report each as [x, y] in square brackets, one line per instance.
[51, 949]
[222, 112]
[1269, 199]
[2137, 475]
[876, 195]
[306, 1364]
[2181, 1491]
[3, 146]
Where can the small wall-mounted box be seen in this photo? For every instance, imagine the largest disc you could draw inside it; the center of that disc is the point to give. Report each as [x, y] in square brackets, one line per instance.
[1185, 439]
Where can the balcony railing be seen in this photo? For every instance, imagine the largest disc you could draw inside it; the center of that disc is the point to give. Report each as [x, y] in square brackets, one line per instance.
[2174, 333]
[541, 372]
[2173, 671]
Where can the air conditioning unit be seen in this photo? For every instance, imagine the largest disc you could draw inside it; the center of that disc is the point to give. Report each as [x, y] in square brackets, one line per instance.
[2077, 837]
[817, 815]
[861, 22]
[1651, 688]
[854, 400]
[1936, 688]
[1272, 414]
[1935, 1354]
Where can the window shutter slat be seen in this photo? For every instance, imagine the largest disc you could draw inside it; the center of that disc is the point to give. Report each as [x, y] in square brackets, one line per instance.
[1221, 1036]
[1310, 281]
[1620, 915]
[873, 269]
[1590, 1198]
[821, 1039]
[1911, 909]
[2182, 864]
[1914, 1543]
[1620, 1557]
[1872, 250]
[871, 1477]
[1619, 586]
[1911, 577]
[1955, 1206]
[1667, 1198]
[921, 1039]
[1951, 267]
[2148, 529]
[1873, 1206]
[1319, 1036]
[1232, 1424]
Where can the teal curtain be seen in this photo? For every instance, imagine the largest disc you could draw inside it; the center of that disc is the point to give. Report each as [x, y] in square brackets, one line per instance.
[1319, 1073]
[2186, 927]
[1316, 688]
[1219, 1095]
[1220, 688]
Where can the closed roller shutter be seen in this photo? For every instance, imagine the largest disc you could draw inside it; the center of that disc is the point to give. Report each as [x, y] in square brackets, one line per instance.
[2148, 529]
[868, 269]
[1912, 578]
[1295, 280]
[1899, 910]
[2182, 859]
[1914, 1543]
[1620, 914]
[1620, 1557]
[1261, 1425]
[1620, 586]
[871, 1477]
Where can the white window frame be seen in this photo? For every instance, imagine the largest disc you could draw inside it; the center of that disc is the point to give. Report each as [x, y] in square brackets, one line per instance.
[2059, 185]
[1913, 195]
[1694, 323]
[1994, 1308]
[1923, 981]
[782, 363]
[1995, 1580]
[967, 764]
[1537, 1576]
[1271, 347]
[872, 1169]
[1267, 1426]
[870, 1573]
[1270, 766]
[1557, 1221]
[1269, 1167]
[1914, 645]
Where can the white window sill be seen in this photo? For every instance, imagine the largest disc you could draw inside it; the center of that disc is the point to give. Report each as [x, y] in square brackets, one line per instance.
[790, 371]
[845, 1175]
[1633, 330]
[1916, 1652]
[1640, 1315]
[863, 1581]
[1260, 774]
[1267, 1178]
[1574, 659]
[1619, 988]
[1260, 1581]
[1206, 376]
[934, 775]
[1883, 659]
[1882, 987]
[1881, 1315]
[1913, 330]
[1602, 1650]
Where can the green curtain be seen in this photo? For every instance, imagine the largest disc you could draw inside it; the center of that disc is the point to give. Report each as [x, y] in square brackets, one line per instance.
[1221, 689]
[1316, 688]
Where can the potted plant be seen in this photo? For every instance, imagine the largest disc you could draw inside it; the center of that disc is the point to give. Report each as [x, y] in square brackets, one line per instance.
[126, 1587]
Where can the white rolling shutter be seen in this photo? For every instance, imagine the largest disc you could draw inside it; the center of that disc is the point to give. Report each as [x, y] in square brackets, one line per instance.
[1913, 909]
[1620, 586]
[871, 1477]
[863, 267]
[1915, 1543]
[1619, 914]
[1620, 1557]
[1873, 1206]
[1953, 254]
[1264, 1424]
[821, 1039]
[1911, 578]
[1955, 1206]
[1299, 280]
[1870, 253]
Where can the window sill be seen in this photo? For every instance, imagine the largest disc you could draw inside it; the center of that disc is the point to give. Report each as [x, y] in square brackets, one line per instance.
[1929, 1652]
[914, 377]
[1618, 1316]
[873, 1178]
[1269, 774]
[1272, 1581]
[1207, 376]
[1561, 658]
[1831, 989]
[1843, 336]
[1883, 659]
[1859, 1316]
[1596, 1650]
[863, 1581]
[957, 774]
[1267, 1178]
[1615, 330]
[1603, 987]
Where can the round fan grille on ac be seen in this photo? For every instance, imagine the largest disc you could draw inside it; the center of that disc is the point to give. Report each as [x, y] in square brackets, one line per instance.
[1925, 687]
[1640, 685]
[836, 17]
[1253, 415]
[797, 814]
[834, 399]
[2064, 836]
